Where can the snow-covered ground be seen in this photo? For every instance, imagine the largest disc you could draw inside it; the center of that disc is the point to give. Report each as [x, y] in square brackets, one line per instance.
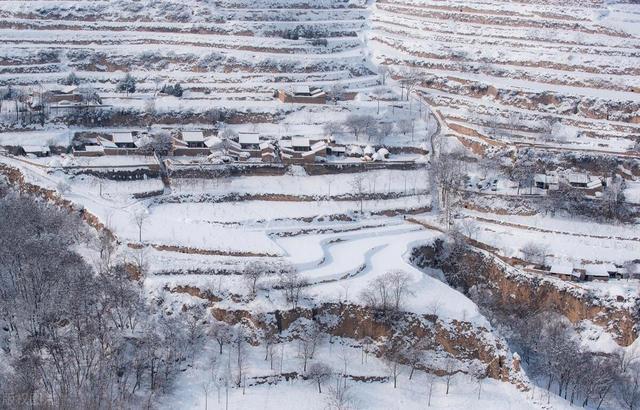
[410, 394]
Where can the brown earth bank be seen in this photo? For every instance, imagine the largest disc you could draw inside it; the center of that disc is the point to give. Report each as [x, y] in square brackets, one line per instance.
[533, 293]
[462, 340]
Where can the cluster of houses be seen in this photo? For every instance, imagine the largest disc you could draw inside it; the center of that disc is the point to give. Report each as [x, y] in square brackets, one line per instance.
[551, 180]
[243, 147]
[591, 272]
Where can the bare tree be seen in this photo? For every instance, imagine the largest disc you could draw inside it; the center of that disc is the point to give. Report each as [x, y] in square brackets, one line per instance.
[358, 186]
[319, 373]
[447, 176]
[628, 389]
[430, 379]
[384, 72]
[340, 396]
[413, 354]
[449, 373]
[391, 357]
[309, 338]
[405, 126]
[331, 128]
[378, 94]
[337, 92]
[358, 124]
[410, 78]
[240, 349]
[292, 284]
[534, 253]
[252, 273]
[470, 228]
[221, 332]
[139, 217]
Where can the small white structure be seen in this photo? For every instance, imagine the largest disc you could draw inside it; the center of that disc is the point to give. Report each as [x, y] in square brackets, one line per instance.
[123, 139]
[194, 139]
[578, 180]
[300, 144]
[250, 141]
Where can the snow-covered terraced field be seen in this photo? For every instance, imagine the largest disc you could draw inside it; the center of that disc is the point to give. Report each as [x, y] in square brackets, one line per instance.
[511, 69]
[341, 265]
[225, 50]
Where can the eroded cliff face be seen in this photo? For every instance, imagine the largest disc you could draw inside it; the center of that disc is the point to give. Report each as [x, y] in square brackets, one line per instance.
[532, 292]
[462, 340]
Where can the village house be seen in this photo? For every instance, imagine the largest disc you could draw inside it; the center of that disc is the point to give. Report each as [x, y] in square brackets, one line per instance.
[122, 143]
[88, 147]
[193, 139]
[355, 151]
[268, 152]
[303, 95]
[565, 272]
[68, 93]
[36, 150]
[596, 272]
[123, 139]
[548, 181]
[249, 141]
[300, 150]
[613, 271]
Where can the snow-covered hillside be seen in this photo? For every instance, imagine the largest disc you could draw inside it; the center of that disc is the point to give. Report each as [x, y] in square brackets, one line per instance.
[319, 204]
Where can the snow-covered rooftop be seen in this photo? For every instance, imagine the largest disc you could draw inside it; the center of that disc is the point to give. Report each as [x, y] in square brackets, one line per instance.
[193, 136]
[122, 137]
[248, 138]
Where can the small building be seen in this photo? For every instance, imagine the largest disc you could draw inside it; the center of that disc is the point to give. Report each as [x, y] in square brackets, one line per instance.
[67, 93]
[303, 95]
[578, 180]
[596, 272]
[613, 271]
[548, 181]
[268, 152]
[93, 150]
[123, 139]
[302, 151]
[36, 150]
[300, 144]
[249, 141]
[193, 139]
[565, 272]
[335, 149]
